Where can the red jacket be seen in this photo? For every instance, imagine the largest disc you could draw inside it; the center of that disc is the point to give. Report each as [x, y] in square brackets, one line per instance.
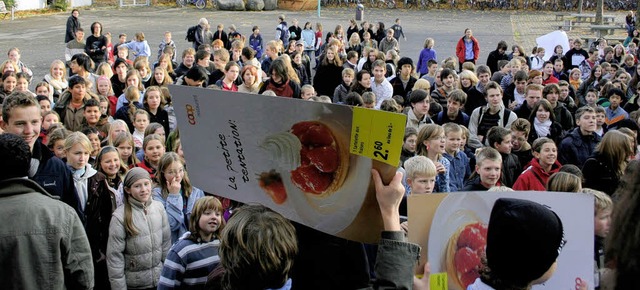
[550, 80]
[460, 49]
[113, 101]
[534, 178]
[146, 166]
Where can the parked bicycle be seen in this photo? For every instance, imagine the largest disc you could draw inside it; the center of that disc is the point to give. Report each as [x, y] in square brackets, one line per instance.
[409, 3]
[500, 4]
[383, 3]
[589, 4]
[537, 4]
[542, 5]
[200, 4]
[484, 4]
[427, 4]
[471, 4]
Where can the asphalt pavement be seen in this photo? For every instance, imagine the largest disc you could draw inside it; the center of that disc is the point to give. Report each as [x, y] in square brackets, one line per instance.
[40, 38]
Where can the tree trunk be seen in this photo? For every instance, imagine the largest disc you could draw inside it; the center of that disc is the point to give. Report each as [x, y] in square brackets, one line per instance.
[637, 9]
[599, 11]
[580, 6]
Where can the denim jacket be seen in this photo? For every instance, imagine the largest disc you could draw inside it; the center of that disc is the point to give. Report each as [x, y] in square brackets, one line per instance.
[460, 170]
[178, 217]
[443, 180]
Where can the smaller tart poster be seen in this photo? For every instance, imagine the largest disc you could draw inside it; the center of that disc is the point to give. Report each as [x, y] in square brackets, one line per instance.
[309, 161]
[452, 230]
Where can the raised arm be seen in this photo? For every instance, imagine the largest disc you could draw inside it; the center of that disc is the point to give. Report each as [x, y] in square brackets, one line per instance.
[396, 258]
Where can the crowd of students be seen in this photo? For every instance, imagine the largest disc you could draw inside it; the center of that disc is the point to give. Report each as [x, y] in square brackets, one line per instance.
[106, 142]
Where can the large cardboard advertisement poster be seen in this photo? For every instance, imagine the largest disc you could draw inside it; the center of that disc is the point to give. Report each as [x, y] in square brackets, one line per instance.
[552, 39]
[309, 161]
[437, 222]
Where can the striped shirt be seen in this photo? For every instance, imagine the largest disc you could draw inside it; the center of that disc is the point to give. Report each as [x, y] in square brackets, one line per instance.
[188, 263]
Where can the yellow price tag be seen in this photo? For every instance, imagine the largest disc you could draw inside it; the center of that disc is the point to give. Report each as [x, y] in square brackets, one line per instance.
[438, 281]
[377, 135]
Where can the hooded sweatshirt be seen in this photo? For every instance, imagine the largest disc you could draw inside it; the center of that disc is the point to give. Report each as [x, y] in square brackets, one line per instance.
[534, 177]
[80, 178]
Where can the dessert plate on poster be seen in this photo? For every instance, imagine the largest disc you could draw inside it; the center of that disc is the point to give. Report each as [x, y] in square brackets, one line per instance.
[454, 213]
[332, 212]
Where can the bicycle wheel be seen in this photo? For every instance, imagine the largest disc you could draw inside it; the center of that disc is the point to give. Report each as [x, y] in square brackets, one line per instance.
[201, 4]
[491, 5]
[407, 4]
[391, 4]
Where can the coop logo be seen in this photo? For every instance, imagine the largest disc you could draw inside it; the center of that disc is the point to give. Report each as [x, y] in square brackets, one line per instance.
[191, 114]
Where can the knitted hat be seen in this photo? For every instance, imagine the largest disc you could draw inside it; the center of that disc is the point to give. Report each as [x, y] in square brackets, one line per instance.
[523, 240]
[405, 60]
[134, 175]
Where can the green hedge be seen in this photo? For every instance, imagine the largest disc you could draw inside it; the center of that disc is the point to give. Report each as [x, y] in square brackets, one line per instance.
[60, 5]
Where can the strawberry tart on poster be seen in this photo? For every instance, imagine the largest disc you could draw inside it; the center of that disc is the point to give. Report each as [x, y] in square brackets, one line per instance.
[452, 230]
[309, 161]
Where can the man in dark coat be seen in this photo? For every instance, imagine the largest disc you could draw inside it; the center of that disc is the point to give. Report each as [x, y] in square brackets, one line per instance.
[72, 26]
[496, 55]
[43, 245]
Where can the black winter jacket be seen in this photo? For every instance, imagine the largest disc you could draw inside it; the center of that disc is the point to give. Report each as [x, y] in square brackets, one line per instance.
[511, 169]
[54, 176]
[575, 148]
[599, 174]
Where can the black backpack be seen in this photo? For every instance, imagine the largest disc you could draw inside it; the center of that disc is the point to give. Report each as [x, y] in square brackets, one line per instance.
[191, 33]
[505, 117]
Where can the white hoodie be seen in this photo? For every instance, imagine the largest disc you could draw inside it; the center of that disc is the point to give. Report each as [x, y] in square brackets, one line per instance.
[80, 181]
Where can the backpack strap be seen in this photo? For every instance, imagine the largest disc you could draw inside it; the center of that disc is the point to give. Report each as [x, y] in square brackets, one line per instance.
[480, 115]
[505, 117]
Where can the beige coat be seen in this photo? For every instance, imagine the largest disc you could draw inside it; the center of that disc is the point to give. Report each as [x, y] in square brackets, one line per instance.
[413, 122]
[136, 261]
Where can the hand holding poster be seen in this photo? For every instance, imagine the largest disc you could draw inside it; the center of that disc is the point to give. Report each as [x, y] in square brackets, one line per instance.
[454, 230]
[309, 161]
